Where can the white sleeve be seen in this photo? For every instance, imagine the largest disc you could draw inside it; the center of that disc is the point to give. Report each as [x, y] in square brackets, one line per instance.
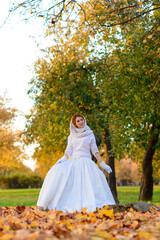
[69, 148]
[94, 147]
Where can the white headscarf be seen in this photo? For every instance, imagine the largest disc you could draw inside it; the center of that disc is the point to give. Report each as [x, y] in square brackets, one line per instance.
[80, 132]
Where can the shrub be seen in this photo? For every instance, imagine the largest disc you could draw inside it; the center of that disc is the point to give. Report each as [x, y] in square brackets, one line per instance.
[21, 181]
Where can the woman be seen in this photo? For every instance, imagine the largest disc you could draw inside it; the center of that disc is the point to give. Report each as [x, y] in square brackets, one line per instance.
[75, 181]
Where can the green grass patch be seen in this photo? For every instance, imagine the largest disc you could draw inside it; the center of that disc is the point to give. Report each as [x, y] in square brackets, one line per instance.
[29, 197]
[15, 197]
[128, 194]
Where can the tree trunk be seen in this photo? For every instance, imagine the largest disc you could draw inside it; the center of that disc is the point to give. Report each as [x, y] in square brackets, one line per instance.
[2, 175]
[110, 161]
[146, 190]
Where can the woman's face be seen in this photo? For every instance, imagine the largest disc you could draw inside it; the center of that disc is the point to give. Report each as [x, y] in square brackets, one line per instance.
[80, 122]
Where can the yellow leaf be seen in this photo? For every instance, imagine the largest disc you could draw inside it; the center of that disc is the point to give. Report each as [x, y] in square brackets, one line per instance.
[1, 226]
[131, 210]
[93, 219]
[130, 215]
[105, 207]
[84, 209]
[79, 216]
[107, 213]
[96, 238]
[103, 234]
[6, 228]
[91, 214]
[145, 235]
[7, 237]
[135, 224]
[34, 235]
[140, 3]
[34, 224]
[140, 9]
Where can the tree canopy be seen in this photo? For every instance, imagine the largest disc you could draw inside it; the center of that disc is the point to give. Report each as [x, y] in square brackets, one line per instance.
[95, 13]
[11, 152]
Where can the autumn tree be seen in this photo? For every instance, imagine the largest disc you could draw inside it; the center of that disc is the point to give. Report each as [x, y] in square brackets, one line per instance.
[63, 84]
[103, 13]
[10, 151]
[135, 109]
[127, 171]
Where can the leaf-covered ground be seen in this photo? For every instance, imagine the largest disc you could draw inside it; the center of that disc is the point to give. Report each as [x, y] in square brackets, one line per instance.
[23, 222]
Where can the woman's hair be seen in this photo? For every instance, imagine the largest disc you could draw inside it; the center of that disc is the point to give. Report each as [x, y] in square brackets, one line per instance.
[74, 118]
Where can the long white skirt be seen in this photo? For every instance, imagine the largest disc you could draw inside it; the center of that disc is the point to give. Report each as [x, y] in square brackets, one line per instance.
[73, 185]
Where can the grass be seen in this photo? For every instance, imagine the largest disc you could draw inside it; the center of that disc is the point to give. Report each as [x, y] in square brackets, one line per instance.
[28, 197]
[14, 197]
[130, 194]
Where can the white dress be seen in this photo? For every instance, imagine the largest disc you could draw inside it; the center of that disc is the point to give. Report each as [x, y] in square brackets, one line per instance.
[77, 182]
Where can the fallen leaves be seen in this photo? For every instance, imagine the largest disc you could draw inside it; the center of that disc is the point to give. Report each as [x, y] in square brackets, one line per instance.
[23, 222]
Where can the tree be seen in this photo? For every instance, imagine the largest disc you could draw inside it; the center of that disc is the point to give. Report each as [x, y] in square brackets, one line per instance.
[10, 152]
[127, 171]
[104, 13]
[135, 109]
[62, 86]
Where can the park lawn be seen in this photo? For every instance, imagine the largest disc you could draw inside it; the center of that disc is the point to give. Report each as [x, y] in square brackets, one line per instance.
[28, 197]
[130, 194]
[15, 197]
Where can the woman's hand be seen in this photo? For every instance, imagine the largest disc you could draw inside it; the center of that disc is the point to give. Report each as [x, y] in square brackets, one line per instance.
[102, 163]
[62, 159]
[106, 167]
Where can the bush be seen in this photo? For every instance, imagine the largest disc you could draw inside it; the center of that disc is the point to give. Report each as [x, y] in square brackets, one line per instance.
[21, 181]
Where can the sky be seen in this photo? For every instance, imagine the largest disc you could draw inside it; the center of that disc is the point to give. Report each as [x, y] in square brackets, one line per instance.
[20, 45]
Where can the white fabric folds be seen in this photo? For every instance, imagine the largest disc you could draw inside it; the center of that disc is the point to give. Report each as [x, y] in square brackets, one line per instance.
[74, 184]
[77, 182]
